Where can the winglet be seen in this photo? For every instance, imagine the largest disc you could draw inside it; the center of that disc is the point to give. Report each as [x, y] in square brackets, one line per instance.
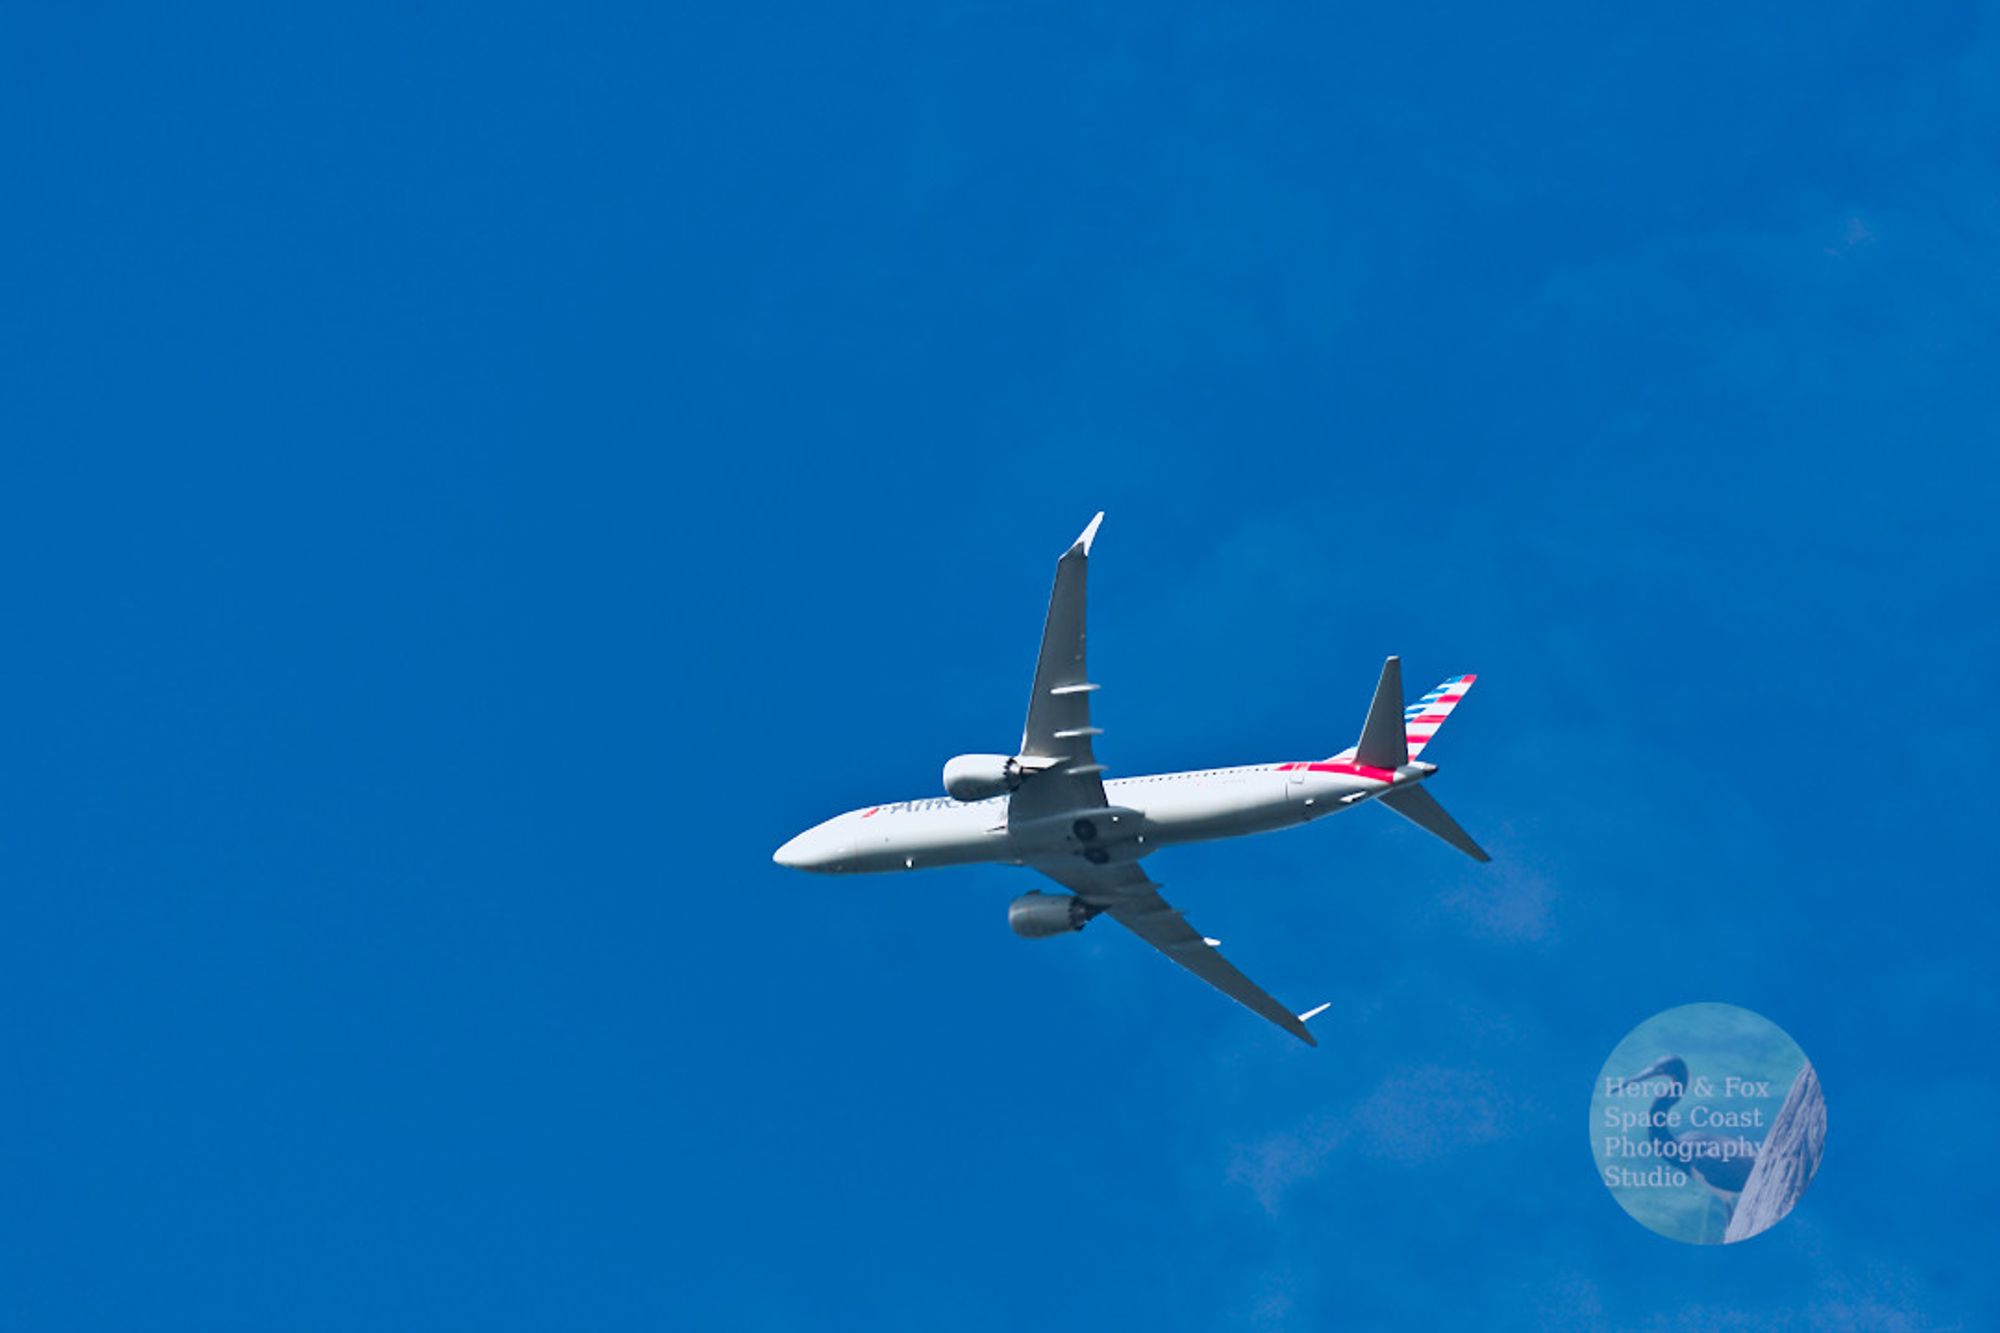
[1310, 1014]
[1090, 533]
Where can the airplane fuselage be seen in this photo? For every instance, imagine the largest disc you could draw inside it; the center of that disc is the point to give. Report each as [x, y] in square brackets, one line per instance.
[1144, 814]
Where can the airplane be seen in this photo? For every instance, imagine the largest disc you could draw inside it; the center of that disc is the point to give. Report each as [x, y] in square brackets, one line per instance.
[1049, 807]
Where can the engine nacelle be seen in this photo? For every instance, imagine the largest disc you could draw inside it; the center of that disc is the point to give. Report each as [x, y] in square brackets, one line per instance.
[974, 777]
[1037, 915]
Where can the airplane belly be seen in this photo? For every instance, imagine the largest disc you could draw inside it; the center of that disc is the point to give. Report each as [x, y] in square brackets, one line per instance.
[1224, 806]
[1100, 835]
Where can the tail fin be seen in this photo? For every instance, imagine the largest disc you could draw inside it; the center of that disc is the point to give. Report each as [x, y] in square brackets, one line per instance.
[1421, 808]
[1422, 718]
[1394, 735]
[1417, 725]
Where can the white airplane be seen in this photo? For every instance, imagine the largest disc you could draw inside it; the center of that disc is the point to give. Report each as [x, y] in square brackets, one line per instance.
[1049, 807]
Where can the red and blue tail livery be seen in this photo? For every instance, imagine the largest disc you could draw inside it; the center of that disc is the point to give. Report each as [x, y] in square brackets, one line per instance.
[1422, 718]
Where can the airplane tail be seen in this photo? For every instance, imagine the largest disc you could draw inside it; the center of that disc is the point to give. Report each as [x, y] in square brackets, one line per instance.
[1384, 739]
[1389, 741]
[1421, 808]
[1394, 735]
[1422, 718]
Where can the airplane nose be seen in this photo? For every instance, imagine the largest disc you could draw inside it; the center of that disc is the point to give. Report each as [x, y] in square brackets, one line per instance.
[819, 849]
[824, 848]
[794, 854]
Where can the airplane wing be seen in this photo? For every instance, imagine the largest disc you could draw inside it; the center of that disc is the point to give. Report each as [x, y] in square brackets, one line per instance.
[1127, 896]
[1055, 744]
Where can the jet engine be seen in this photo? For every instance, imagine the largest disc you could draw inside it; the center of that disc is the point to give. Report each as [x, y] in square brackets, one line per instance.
[1037, 915]
[974, 777]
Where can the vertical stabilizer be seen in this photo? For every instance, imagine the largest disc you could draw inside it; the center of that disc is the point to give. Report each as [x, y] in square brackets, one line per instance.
[1383, 743]
[1422, 718]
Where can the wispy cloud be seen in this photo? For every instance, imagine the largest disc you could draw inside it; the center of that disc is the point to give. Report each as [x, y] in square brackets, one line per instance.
[1415, 1115]
[1514, 904]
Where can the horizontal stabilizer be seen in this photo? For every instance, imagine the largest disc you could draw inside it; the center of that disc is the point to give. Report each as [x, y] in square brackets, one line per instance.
[1421, 808]
[1383, 743]
[1420, 720]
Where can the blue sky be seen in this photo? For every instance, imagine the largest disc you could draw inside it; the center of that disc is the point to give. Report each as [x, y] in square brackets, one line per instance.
[481, 477]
